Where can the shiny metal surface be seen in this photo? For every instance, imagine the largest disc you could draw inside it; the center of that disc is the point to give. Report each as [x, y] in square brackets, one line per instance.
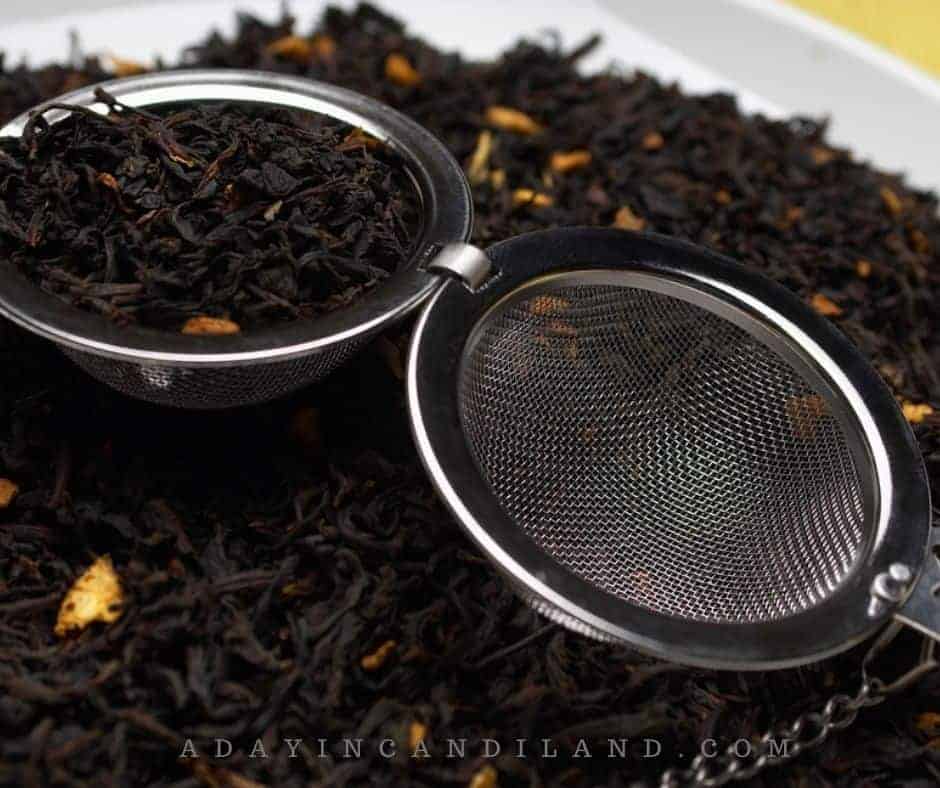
[660, 447]
[464, 261]
[922, 608]
[169, 368]
[662, 452]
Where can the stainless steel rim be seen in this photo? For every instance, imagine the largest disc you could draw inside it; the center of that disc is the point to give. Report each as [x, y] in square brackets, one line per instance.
[836, 623]
[439, 179]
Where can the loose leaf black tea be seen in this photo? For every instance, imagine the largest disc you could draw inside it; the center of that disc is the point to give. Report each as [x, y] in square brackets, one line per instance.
[206, 219]
[286, 570]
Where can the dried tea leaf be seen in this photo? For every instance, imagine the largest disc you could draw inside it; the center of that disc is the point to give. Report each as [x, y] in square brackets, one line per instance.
[8, 491]
[96, 596]
[531, 197]
[392, 355]
[566, 161]
[358, 138]
[377, 658]
[484, 778]
[825, 306]
[626, 219]
[299, 588]
[398, 69]
[210, 326]
[216, 777]
[915, 412]
[920, 242]
[509, 119]
[306, 429]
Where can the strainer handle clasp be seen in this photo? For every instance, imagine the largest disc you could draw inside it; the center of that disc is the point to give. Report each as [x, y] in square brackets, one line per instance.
[921, 610]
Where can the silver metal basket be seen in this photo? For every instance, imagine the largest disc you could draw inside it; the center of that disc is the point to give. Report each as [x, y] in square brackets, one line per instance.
[217, 372]
[660, 447]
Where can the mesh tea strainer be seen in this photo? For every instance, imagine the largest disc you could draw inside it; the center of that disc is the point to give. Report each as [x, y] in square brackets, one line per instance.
[661, 448]
[655, 445]
[219, 372]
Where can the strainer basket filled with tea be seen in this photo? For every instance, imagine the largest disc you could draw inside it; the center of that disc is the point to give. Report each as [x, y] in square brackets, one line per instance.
[217, 371]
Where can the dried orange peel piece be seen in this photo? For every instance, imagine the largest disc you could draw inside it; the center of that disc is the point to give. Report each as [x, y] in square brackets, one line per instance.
[916, 412]
[825, 306]
[485, 778]
[377, 658]
[626, 219]
[509, 119]
[398, 69]
[567, 161]
[210, 326]
[531, 197]
[96, 596]
[8, 491]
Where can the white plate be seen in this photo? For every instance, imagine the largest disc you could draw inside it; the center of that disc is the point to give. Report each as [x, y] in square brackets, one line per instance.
[777, 61]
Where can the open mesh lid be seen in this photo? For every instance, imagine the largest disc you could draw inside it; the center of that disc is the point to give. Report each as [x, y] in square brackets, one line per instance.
[660, 447]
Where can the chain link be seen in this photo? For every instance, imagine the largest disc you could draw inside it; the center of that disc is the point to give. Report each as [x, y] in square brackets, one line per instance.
[810, 730]
[775, 747]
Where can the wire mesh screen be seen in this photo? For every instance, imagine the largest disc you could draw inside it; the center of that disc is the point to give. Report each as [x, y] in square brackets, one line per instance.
[661, 452]
[216, 387]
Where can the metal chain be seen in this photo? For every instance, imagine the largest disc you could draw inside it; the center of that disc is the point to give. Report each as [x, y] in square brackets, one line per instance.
[810, 730]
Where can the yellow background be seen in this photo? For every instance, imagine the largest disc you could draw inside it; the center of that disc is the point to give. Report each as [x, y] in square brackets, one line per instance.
[909, 28]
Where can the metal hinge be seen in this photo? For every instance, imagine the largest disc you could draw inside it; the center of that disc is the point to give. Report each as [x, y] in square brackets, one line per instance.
[463, 261]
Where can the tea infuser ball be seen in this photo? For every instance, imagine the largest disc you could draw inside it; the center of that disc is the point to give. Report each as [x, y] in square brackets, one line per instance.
[654, 444]
[661, 448]
[250, 367]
